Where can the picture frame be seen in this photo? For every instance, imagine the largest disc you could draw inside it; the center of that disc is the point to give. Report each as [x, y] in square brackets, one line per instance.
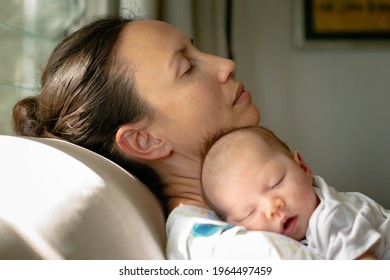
[342, 22]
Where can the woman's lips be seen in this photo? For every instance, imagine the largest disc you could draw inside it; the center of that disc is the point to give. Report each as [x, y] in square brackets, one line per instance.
[241, 96]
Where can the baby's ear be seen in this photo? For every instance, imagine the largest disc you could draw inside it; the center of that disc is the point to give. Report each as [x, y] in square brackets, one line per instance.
[302, 164]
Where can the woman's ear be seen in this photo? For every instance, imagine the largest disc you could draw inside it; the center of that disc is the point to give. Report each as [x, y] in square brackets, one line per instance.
[302, 164]
[140, 144]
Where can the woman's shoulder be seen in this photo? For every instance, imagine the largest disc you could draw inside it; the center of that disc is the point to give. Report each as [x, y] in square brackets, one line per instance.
[196, 221]
[187, 223]
[193, 214]
[197, 233]
[192, 210]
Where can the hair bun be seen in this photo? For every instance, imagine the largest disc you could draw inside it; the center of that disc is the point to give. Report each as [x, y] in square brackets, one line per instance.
[25, 121]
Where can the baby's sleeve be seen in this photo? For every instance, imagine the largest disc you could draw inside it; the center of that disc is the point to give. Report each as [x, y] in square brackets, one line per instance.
[344, 233]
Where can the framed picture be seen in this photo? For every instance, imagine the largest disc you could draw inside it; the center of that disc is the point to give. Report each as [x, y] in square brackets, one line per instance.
[341, 22]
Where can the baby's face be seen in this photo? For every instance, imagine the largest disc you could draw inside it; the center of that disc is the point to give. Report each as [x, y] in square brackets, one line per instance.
[265, 190]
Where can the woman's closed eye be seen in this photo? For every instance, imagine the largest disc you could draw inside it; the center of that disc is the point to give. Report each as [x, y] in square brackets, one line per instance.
[185, 69]
[189, 69]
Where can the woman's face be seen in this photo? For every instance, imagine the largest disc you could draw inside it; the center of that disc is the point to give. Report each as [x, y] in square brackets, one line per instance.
[191, 93]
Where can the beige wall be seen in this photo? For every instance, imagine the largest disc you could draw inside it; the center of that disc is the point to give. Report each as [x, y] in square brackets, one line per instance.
[330, 104]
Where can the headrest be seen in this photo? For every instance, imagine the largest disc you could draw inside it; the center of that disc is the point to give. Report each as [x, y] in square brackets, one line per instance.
[61, 201]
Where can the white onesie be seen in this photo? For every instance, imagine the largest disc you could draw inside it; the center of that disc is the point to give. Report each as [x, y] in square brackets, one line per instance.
[346, 225]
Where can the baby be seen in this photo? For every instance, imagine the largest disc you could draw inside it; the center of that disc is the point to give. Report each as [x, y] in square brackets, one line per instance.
[251, 178]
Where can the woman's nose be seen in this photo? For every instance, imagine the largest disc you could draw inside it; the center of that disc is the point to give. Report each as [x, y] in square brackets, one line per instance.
[274, 206]
[225, 69]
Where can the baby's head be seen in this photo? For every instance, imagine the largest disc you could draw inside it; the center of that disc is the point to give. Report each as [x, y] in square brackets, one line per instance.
[241, 169]
[225, 153]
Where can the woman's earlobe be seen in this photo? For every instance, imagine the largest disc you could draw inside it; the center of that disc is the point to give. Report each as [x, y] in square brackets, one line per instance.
[141, 144]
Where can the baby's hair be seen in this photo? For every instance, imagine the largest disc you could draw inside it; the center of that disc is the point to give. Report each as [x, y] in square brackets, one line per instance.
[212, 139]
[271, 139]
[274, 141]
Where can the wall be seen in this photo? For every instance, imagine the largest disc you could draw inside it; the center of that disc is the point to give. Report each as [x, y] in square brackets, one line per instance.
[330, 104]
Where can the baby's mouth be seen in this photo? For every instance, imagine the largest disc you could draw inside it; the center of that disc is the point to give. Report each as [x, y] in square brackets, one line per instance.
[289, 224]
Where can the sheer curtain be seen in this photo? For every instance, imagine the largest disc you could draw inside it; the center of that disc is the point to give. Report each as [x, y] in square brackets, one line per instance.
[206, 21]
[29, 30]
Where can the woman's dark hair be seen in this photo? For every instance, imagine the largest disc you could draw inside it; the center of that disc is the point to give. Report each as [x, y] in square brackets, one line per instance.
[87, 93]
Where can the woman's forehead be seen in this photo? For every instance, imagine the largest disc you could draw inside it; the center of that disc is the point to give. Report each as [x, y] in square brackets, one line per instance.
[150, 32]
[150, 43]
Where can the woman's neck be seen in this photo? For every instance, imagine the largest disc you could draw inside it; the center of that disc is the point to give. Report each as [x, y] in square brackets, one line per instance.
[186, 192]
[181, 179]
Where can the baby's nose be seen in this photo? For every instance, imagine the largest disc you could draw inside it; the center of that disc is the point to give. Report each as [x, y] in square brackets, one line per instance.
[275, 206]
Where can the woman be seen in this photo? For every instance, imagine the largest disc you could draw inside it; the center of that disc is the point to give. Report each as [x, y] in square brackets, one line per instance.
[141, 94]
